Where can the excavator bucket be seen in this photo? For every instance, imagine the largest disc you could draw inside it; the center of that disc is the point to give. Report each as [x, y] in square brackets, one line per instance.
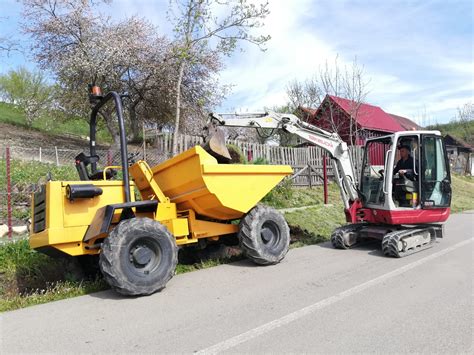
[214, 144]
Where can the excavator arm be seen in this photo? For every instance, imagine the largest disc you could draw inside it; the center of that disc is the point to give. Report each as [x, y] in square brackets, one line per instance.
[330, 142]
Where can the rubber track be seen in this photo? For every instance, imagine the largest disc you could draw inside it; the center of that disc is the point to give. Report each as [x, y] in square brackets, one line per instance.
[337, 238]
[390, 243]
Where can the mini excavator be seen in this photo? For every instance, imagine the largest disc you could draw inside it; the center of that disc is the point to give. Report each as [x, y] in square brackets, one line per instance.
[403, 209]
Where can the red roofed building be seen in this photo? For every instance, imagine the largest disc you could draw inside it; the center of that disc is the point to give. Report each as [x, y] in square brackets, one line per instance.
[406, 123]
[355, 122]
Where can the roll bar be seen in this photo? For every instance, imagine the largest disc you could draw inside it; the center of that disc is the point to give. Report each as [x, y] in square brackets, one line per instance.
[102, 100]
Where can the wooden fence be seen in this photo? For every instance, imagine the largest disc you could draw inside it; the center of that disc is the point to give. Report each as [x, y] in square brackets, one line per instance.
[307, 162]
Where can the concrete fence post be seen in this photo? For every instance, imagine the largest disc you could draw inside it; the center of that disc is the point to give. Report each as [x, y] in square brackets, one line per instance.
[57, 158]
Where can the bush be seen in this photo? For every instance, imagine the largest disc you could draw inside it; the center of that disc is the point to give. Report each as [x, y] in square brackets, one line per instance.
[280, 194]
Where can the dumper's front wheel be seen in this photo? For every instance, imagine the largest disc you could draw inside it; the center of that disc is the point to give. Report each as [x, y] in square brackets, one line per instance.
[264, 235]
[138, 257]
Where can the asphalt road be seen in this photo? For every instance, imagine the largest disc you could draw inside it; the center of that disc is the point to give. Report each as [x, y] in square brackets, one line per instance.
[318, 300]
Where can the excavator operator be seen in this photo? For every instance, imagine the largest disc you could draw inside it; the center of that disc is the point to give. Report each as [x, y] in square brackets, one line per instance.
[405, 165]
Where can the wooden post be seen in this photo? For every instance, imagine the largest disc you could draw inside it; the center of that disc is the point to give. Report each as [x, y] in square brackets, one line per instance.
[325, 178]
[40, 155]
[309, 177]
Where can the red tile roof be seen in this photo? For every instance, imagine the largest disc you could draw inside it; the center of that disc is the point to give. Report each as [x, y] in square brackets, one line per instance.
[369, 116]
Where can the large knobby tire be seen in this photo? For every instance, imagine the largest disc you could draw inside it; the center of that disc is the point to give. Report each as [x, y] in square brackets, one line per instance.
[264, 235]
[138, 257]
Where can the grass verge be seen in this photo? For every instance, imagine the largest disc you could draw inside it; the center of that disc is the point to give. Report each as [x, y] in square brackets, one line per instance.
[28, 278]
[463, 193]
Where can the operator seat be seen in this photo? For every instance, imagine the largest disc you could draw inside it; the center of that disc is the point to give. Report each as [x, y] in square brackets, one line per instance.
[82, 161]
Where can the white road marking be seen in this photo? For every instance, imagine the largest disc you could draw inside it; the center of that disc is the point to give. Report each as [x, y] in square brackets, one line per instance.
[265, 328]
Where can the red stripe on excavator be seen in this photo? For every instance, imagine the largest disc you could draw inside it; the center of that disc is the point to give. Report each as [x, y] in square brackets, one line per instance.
[373, 215]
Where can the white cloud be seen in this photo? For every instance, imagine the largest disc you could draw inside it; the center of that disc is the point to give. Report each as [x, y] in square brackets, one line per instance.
[294, 52]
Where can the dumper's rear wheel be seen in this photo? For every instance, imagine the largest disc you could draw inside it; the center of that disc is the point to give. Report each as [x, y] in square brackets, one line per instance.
[138, 257]
[264, 235]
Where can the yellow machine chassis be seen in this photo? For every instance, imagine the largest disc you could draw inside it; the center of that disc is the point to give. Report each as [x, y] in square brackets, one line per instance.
[201, 199]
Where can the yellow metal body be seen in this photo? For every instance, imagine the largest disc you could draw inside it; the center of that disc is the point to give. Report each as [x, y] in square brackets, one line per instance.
[67, 221]
[191, 189]
[195, 181]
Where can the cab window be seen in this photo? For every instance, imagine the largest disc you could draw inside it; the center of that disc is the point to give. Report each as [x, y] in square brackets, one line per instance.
[435, 178]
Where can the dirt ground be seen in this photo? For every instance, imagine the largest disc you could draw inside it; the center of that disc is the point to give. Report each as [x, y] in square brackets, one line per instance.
[14, 136]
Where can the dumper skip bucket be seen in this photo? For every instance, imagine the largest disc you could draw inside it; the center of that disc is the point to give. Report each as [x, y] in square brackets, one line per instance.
[194, 180]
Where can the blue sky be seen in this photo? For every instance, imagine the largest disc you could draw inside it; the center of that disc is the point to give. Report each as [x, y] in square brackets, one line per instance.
[418, 55]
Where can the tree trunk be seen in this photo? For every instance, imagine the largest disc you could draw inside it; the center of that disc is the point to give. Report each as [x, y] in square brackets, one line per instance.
[113, 130]
[134, 124]
[178, 108]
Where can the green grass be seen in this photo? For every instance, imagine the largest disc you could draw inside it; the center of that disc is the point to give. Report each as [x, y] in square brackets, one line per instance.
[9, 114]
[463, 193]
[285, 196]
[25, 173]
[28, 278]
[53, 124]
[314, 225]
[52, 292]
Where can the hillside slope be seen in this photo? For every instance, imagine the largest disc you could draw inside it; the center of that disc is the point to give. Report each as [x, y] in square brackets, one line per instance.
[46, 132]
[464, 131]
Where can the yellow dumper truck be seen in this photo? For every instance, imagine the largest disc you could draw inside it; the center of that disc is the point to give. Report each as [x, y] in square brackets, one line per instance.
[136, 225]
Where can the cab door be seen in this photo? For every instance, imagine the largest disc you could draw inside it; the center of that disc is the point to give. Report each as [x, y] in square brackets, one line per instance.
[435, 175]
[372, 185]
[406, 186]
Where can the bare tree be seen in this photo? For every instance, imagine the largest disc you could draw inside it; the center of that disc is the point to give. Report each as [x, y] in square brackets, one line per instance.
[196, 26]
[304, 94]
[466, 112]
[465, 116]
[334, 79]
[7, 43]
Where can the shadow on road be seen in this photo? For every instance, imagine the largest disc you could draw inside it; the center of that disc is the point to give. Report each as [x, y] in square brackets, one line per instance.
[372, 246]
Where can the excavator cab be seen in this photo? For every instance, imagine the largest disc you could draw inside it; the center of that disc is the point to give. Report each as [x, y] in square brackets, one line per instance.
[406, 171]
